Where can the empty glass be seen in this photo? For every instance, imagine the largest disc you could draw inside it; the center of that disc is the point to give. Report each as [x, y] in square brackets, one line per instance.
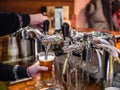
[58, 65]
[82, 76]
[65, 72]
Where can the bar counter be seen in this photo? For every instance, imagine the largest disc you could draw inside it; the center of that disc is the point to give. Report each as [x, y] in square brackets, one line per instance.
[26, 85]
[29, 85]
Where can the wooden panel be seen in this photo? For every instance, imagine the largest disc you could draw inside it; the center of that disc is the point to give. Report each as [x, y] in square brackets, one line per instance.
[33, 6]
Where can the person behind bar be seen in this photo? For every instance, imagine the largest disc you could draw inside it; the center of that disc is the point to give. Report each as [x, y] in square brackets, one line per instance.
[101, 15]
[10, 23]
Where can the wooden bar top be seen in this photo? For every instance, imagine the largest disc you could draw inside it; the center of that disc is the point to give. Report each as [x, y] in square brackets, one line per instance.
[29, 85]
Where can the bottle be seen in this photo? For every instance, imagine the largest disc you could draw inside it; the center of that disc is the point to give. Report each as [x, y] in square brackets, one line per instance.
[58, 19]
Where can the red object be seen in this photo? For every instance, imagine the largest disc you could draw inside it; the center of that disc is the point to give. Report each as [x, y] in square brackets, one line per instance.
[118, 17]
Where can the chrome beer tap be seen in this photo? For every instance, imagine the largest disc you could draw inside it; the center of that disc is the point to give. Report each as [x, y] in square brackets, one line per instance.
[45, 29]
[30, 38]
[65, 31]
[106, 43]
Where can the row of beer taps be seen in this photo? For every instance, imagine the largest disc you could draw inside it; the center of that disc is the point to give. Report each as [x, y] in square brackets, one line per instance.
[72, 40]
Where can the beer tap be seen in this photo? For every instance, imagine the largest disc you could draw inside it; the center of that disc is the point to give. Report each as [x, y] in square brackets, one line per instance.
[84, 70]
[65, 31]
[108, 66]
[45, 26]
[45, 29]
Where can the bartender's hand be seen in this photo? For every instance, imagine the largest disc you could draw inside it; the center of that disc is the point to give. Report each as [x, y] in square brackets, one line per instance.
[34, 70]
[37, 19]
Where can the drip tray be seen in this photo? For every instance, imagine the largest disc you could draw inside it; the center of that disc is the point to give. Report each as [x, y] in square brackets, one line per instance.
[19, 81]
[23, 61]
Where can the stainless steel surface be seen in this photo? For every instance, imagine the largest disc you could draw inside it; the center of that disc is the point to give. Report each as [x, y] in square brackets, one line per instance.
[25, 60]
[20, 80]
[30, 41]
[26, 47]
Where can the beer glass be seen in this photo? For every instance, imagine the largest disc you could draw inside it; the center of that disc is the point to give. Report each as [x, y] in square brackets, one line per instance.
[66, 80]
[58, 65]
[46, 77]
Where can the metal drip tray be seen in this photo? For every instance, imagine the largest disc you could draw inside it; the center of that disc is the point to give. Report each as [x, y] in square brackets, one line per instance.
[14, 61]
[20, 80]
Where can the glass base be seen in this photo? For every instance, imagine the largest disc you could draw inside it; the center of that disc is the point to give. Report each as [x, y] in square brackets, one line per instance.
[50, 88]
[58, 88]
[42, 85]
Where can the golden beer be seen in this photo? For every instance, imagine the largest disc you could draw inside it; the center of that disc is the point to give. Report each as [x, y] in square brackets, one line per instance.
[47, 76]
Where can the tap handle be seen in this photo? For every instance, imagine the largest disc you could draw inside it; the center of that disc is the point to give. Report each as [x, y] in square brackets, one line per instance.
[84, 54]
[65, 30]
[45, 26]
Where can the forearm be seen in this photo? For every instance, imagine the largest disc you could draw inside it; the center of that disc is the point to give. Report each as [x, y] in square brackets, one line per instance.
[10, 23]
[6, 72]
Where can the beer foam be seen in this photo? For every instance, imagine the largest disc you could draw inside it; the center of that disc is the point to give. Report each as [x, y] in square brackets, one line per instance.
[49, 58]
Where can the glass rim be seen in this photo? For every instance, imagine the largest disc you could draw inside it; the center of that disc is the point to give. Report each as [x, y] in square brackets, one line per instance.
[42, 54]
[52, 53]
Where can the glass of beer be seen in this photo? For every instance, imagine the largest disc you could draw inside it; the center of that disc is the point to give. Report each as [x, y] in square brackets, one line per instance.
[47, 77]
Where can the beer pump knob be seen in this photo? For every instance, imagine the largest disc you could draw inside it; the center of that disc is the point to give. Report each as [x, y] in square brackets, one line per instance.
[65, 30]
[46, 26]
[84, 54]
